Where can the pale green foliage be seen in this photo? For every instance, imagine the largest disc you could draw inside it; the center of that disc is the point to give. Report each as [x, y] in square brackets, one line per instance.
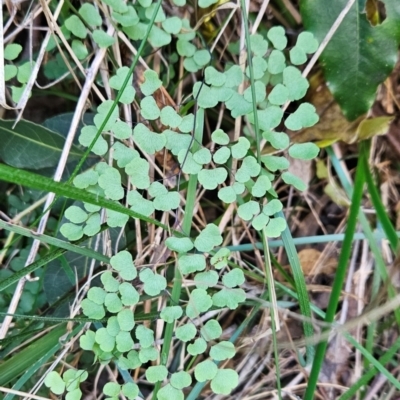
[12, 51]
[129, 175]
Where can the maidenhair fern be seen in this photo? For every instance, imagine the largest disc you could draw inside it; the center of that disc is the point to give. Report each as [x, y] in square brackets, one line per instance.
[120, 338]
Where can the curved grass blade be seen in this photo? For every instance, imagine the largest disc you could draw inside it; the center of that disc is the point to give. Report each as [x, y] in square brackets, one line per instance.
[339, 276]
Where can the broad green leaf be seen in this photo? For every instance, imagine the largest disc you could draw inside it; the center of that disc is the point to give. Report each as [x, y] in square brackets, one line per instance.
[220, 137]
[220, 258]
[214, 77]
[279, 95]
[124, 341]
[92, 310]
[189, 263]
[139, 203]
[129, 295]
[88, 133]
[185, 48]
[151, 82]
[172, 25]
[209, 238]
[138, 170]
[202, 57]
[153, 283]
[177, 141]
[160, 17]
[246, 211]
[180, 245]
[199, 346]
[97, 295]
[304, 151]
[32, 146]
[102, 38]
[275, 227]
[149, 141]
[76, 26]
[261, 186]
[130, 390]
[12, 51]
[234, 76]
[181, 379]
[227, 194]
[188, 165]
[110, 284]
[223, 350]
[54, 381]
[170, 117]
[269, 118]
[225, 381]
[168, 392]
[71, 231]
[111, 389]
[156, 373]
[205, 96]
[171, 313]
[276, 62]
[293, 180]
[354, 67]
[272, 207]
[75, 214]
[126, 320]
[277, 37]
[123, 263]
[273, 163]
[233, 278]
[297, 56]
[260, 92]
[200, 301]
[304, 117]
[249, 169]
[79, 49]
[117, 5]
[259, 45]
[90, 14]
[222, 155]
[145, 336]
[211, 330]
[113, 327]
[113, 303]
[158, 37]
[295, 83]
[211, 178]
[149, 108]
[205, 370]
[204, 280]
[259, 67]
[186, 332]
[239, 149]
[10, 71]
[278, 140]
[229, 298]
[127, 18]
[259, 221]
[202, 156]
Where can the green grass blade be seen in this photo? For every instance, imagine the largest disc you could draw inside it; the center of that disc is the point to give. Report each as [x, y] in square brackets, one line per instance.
[38, 364]
[378, 205]
[20, 362]
[301, 288]
[62, 244]
[363, 380]
[39, 182]
[339, 276]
